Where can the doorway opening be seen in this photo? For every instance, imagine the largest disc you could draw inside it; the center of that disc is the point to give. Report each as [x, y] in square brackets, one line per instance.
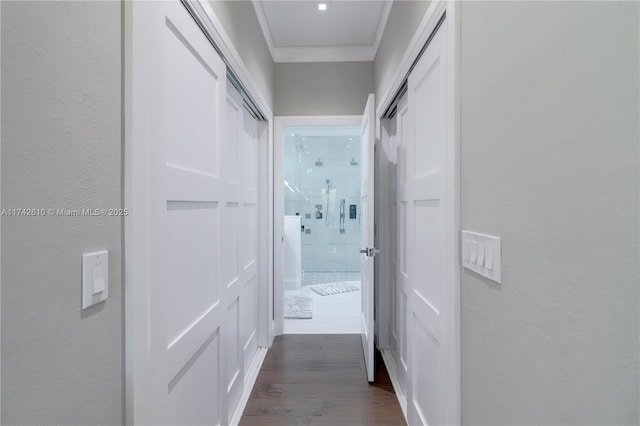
[322, 292]
[362, 213]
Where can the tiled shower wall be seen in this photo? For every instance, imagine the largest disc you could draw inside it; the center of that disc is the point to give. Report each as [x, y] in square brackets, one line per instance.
[309, 162]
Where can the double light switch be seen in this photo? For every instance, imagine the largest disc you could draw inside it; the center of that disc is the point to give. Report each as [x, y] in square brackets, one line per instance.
[482, 254]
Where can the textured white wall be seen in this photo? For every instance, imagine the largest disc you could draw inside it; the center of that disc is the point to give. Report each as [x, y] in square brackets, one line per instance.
[61, 148]
[549, 152]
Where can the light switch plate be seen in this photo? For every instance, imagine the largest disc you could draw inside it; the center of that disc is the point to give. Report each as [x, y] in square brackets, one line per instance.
[485, 254]
[95, 278]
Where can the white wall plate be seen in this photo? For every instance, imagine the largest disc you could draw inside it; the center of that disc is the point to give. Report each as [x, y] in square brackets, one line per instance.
[95, 278]
[482, 254]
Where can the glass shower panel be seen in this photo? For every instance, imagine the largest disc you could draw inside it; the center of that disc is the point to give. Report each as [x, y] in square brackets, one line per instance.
[322, 186]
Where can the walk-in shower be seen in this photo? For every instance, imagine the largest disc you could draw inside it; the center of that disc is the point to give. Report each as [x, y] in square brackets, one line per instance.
[322, 228]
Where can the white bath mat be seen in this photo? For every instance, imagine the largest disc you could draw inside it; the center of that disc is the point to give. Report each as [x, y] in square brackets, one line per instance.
[298, 307]
[335, 288]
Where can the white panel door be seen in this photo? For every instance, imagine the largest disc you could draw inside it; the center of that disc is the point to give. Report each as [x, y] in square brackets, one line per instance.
[399, 253]
[430, 292]
[238, 250]
[230, 269]
[367, 251]
[249, 238]
[181, 120]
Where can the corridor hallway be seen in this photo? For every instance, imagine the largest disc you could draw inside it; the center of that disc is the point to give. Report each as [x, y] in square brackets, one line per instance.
[320, 379]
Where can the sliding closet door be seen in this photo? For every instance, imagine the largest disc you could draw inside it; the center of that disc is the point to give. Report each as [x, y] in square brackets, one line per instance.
[399, 260]
[432, 237]
[177, 192]
[249, 238]
[238, 243]
[192, 236]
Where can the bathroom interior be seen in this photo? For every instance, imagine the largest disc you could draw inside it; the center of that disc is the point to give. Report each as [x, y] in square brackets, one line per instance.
[322, 229]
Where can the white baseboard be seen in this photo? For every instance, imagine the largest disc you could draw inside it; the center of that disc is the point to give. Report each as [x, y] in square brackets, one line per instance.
[390, 364]
[251, 374]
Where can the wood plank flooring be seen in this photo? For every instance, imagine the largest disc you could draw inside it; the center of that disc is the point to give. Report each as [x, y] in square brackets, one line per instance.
[319, 379]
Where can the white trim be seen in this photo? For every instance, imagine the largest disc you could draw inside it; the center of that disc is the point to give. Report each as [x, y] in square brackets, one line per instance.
[0, 220]
[250, 377]
[128, 287]
[391, 366]
[382, 24]
[265, 245]
[136, 256]
[278, 230]
[453, 154]
[424, 30]
[390, 87]
[264, 26]
[270, 320]
[280, 122]
[324, 54]
[319, 120]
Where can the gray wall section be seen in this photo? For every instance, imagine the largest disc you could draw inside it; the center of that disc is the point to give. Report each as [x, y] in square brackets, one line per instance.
[549, 162]
[240, 22]
[404, 18]
[322, 88]
[61, 148]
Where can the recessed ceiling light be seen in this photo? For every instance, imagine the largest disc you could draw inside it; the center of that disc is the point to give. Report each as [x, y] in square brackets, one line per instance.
[322, 7]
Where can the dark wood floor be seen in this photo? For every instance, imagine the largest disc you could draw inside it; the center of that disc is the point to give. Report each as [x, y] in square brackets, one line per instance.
[319, 379]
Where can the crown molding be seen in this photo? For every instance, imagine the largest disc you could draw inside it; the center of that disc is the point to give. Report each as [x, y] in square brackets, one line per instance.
[350, 53]
[264, 26]
[382, 24]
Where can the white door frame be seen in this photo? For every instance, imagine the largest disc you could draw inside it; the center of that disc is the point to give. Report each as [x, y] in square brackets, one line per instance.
[280, 122]
[435, 12]
[136, 265]
[0, 224]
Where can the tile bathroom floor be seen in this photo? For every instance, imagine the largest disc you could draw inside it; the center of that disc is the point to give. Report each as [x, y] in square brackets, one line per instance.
[336, 313]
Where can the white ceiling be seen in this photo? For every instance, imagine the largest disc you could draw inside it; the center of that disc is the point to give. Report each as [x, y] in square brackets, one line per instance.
[296, 31]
